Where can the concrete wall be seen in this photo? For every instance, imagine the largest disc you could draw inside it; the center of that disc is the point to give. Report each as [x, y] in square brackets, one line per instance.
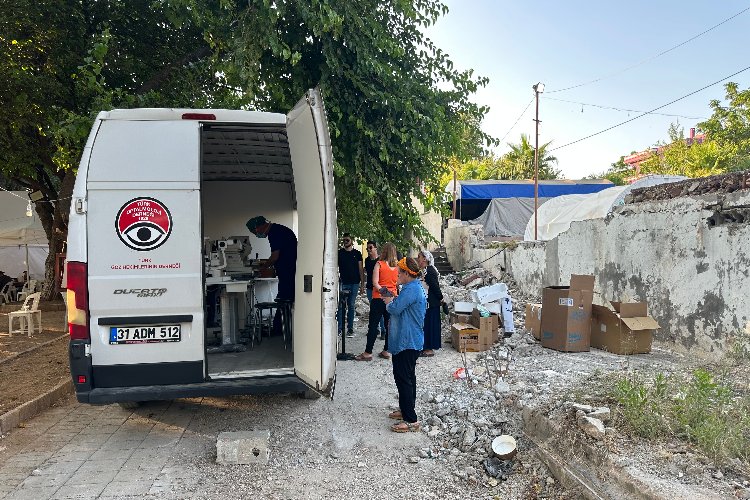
[458, 247]
[695, 277]
[432, 222]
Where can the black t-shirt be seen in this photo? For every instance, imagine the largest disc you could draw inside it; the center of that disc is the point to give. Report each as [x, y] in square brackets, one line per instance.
[349, 261]
[369, 268]
[283, 239]
[4, 279]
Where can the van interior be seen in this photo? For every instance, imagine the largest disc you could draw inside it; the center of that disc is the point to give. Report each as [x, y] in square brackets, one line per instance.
[246, 171]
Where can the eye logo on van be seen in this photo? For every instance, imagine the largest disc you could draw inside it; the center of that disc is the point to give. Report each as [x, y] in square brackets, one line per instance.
[143, 224]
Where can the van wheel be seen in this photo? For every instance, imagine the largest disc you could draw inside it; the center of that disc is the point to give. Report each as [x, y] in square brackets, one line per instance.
[129, 405]
[310, 394]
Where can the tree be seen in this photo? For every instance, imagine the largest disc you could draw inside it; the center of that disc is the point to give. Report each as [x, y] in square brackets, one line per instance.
[397, 107]
[520, 161]
[729, 126]
[60, 64]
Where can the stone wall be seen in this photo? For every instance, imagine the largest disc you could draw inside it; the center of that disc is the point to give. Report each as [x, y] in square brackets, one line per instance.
[690, 265]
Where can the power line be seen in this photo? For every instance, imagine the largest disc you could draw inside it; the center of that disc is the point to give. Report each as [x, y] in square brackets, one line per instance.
[624, 109]
[650, 58]
[651, 111]
[517, 120]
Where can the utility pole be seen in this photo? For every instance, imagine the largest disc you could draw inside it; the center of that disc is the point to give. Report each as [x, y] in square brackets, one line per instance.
[538, 89]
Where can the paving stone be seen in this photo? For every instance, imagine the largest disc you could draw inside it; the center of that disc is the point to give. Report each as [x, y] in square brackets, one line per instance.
[79, 491]
[90, 477]
[36, 493]
[243, 447]
[129, 488]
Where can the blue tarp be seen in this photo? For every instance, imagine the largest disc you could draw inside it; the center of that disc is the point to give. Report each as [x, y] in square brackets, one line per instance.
[526, 190]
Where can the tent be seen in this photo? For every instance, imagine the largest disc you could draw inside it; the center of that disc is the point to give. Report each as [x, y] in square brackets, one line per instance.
[23, 242]
[556, 215]
[473, 196]
[507, 216]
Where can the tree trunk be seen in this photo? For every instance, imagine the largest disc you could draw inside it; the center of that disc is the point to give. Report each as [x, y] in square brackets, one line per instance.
[54, 215]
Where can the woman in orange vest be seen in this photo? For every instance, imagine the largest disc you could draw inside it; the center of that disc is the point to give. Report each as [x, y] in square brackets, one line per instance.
[384, 278]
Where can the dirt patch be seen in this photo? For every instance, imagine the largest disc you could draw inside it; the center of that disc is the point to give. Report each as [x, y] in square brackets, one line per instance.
[34, 372]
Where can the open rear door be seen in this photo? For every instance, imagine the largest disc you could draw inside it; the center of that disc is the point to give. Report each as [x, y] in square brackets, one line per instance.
[317, 276]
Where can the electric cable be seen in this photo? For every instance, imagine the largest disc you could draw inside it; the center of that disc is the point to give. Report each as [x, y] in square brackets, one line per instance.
[624, 109]
[610, 75]
[517, 120]
[650, 111]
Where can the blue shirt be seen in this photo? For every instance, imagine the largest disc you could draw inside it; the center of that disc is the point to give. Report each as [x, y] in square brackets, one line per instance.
[407, 318]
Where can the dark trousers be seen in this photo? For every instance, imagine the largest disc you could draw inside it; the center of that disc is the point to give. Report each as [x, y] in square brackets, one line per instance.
[404, 366]
[377, 311]
[432, 327]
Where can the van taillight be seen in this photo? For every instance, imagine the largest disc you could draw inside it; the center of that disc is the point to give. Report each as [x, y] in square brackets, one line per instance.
[78, 301]
[198, 116]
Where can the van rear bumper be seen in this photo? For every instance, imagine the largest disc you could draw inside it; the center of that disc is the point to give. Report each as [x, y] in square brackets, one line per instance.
[260, 385]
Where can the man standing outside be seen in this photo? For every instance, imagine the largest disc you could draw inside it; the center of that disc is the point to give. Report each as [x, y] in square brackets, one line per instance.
[370, 261]
[351, 278]
[283, 258]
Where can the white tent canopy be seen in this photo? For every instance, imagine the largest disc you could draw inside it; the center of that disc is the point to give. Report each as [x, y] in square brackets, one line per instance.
[19, 233]
[556, 215]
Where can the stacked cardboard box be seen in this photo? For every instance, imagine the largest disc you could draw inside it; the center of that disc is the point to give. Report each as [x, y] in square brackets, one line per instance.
[566, 315]
[626, 330]
[534, 320]
[475, 335]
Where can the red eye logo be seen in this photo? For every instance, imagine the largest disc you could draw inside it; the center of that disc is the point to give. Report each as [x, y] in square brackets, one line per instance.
[143, 224]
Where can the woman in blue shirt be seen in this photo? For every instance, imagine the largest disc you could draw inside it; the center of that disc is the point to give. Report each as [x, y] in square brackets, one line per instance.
[406, 339]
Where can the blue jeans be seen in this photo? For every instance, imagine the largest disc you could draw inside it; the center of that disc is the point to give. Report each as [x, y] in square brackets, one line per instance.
[353, 291]
[382, 320]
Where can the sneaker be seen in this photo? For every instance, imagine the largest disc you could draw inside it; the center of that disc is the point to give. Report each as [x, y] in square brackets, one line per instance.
[349, 334]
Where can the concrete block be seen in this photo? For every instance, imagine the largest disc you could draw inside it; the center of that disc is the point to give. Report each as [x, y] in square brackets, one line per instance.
[244, 447]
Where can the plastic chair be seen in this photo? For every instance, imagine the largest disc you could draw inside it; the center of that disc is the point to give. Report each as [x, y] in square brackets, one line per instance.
[29, 310]
[28, 288]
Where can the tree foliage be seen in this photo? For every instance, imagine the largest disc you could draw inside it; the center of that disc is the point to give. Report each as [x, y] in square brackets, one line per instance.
[398, 108]
[518, 163]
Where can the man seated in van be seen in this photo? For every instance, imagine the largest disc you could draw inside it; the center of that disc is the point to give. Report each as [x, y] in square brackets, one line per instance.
[283, 258]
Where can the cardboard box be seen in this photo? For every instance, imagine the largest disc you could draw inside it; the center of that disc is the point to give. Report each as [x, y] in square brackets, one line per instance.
[467, 337]
[626, 330]
[488, 327]
[534, 320]
[566, 315]
[460, 318]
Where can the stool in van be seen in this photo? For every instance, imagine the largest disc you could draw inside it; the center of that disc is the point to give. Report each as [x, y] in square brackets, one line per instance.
[260, 308]
[285, 306]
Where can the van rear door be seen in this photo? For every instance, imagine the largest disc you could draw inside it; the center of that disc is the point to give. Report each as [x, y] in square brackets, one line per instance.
[144, 248]
[315, 340]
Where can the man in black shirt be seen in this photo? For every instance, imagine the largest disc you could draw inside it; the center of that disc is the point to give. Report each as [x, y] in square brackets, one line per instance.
[351, 277]
[283, 258]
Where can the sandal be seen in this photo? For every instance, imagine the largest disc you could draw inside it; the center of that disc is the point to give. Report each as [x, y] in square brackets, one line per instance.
[362, 357]
[425, 354]
[406, 427]
[384, 355]
[395, 415]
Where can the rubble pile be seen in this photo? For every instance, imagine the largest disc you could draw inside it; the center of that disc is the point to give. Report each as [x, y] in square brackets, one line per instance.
[722, 183]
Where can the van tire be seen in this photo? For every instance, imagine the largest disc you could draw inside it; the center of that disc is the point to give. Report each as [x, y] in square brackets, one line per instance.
[129, 405]
[310, 394]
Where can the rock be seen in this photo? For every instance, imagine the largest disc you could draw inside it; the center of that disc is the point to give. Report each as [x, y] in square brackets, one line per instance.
[439, 398]
[502, 387]
[592, 426]
[470, 471]
[576, 406]
[433, 433]
[470, 435]
[423, 453]
[413, 460]
[550, 481]
[601, 413]
[435, 421]
[492, 482]
[360, 464]
[718, 475]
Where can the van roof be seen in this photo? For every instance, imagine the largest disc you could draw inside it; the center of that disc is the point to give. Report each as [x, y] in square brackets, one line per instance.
[166, 114]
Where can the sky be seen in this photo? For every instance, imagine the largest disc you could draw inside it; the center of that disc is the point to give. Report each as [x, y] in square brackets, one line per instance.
[519, 43]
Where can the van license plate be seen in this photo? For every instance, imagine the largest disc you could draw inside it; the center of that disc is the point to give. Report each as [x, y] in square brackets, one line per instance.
[144, 334]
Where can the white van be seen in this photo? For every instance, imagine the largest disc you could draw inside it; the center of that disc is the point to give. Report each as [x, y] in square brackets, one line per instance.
[160, 195]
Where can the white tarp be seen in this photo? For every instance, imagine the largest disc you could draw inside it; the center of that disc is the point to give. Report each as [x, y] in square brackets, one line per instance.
[19, 231]
[557, 214]
[507, 216]
[16, 228]
[13, 260]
